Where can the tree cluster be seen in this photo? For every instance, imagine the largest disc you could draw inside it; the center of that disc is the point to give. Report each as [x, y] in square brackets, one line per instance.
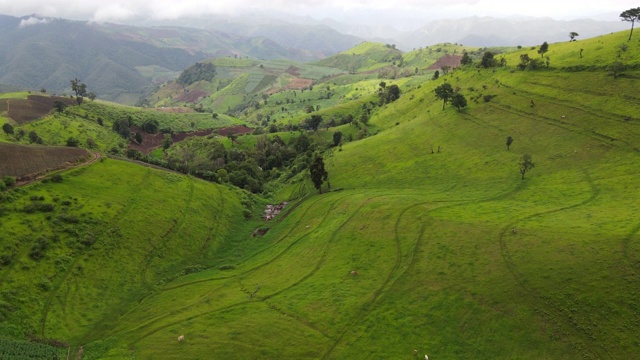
[388, 94]
[197, 72]
[446, 93]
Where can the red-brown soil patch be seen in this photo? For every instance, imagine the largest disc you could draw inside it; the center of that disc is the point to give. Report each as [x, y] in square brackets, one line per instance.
[447, 60]
[294, 84]
[236, 130]
[292, 70]
[33, 108]
[27, 162]
[152, 141]
[176, 109]
[192, 96]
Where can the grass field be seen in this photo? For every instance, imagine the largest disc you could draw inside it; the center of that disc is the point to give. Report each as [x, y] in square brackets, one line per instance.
[429, 240]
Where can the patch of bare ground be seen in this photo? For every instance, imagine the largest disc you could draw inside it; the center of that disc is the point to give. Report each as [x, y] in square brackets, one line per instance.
[447, 60]
[27, 162]
[34, 107]
[192, 96]
[153, 141]
[296, 83]
[175, 110]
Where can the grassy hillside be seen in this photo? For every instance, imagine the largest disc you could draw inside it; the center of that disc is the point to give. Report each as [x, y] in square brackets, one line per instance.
[239, 83]
[364, 57]
[69, 245]
[429, 240]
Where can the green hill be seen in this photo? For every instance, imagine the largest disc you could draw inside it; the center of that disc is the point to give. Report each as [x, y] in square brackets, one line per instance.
[106, 247]
[365, 57]
[429, 239]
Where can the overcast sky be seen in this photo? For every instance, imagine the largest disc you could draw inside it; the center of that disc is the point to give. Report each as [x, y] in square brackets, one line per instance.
[126, 11]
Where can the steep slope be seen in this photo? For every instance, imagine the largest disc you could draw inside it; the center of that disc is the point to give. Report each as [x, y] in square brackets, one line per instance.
[107, 248]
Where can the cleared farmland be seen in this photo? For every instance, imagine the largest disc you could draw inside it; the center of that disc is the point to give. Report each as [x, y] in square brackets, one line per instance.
[23, 161]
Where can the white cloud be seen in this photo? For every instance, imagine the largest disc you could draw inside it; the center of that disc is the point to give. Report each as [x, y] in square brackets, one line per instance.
[113, 13]
[101, 10]
[32, 21]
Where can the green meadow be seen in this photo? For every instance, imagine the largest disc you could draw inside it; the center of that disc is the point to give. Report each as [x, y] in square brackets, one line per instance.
[427, 240]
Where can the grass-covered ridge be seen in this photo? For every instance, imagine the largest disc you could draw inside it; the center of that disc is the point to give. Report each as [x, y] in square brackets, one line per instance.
[69, 244]
[430, 239]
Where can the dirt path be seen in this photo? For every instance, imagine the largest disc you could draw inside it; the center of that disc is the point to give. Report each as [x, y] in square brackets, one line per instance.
[96, 157]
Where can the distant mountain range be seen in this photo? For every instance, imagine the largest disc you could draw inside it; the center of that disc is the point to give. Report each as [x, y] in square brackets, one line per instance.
[123, 62]
[117, 62]
[487, 31]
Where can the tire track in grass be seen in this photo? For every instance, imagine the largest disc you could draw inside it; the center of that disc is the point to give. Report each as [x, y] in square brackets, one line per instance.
[190, 318]
[323, 256]
[106, 228]
[365, 309]
[603, 138]
[175, 312]
[284, 236]
[533, 293]
[160, 317]
[606, 115]
[220, 205]
[318, 265]
[293, 243]
[170, 234]
[633, 265]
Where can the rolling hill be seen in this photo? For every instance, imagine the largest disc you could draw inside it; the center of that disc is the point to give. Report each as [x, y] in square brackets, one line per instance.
[117, 62]
[429, 241]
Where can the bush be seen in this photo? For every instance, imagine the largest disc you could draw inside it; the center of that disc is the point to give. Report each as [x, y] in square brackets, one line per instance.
[73, 142]
[56, 178]
[38, 250]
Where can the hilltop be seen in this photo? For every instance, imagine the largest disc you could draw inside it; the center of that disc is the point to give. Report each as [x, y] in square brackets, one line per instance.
[430, 237]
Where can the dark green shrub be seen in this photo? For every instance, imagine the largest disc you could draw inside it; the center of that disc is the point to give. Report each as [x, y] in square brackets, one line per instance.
[38, 250]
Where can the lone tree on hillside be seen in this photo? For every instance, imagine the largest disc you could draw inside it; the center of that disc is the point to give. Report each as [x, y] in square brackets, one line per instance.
[337, 138]
[487, 60]
[7, 128]
[509, 142]
[466, 59]
[388, 94]
[313, 122]
[444, 92]
[318, 173]
[80, 89]
[573, 35]
[543, 49]
[459, 101]
[631, 15]
[616, 69]
[59, 106]
[526, 164]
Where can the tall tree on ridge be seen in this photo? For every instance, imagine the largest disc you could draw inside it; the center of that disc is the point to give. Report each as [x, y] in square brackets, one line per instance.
[631, 15]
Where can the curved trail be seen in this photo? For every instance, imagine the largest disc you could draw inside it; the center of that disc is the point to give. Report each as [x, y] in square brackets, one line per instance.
[378, 292]
[184, 308]
[520, 279]
[170, 234]
[96, 156]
